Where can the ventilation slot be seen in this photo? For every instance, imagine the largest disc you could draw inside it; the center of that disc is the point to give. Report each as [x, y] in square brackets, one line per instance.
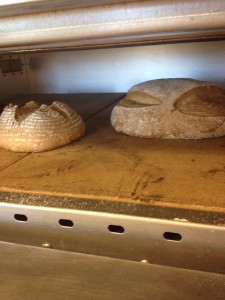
[20, 218]
[116, 229]
[172, 236]
[66, 223]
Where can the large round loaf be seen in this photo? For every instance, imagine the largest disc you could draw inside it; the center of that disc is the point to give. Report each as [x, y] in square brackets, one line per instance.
[37, 127]
[172, 109]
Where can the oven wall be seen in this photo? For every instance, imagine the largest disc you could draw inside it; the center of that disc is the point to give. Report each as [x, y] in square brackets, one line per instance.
[117, 69]
[16, 84]
[113, 70]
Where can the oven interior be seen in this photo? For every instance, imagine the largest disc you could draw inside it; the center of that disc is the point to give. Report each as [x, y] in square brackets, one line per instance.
[117, 216]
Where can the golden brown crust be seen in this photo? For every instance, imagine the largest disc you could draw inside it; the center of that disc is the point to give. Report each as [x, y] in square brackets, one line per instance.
[37, 127]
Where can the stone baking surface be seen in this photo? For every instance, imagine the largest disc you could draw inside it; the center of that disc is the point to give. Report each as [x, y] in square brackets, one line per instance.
[109, 166]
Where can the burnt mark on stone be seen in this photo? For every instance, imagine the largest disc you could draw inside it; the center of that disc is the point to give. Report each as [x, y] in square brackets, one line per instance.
[141, 190]
[46, 174]
[64, 168]
[158, 180]
[134, 193]
[214, 171]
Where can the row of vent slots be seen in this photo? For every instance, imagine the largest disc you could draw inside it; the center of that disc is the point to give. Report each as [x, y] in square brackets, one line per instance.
[172, 236]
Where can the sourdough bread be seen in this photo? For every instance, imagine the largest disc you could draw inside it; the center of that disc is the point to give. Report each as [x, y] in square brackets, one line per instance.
[172, 109]
[37, 127]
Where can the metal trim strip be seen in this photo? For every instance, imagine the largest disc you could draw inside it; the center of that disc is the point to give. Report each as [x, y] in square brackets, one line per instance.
[198, 246]
[133, 22]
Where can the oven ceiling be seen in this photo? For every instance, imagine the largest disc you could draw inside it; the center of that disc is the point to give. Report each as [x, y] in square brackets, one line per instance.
[46, 25]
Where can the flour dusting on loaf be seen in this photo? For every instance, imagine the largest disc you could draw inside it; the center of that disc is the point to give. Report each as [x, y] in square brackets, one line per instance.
[37, 127]
[172, 109]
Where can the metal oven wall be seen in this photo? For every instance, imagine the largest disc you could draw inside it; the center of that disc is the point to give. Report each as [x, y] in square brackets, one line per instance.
[115, 69]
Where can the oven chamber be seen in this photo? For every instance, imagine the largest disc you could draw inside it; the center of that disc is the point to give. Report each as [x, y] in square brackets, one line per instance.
[90, 219]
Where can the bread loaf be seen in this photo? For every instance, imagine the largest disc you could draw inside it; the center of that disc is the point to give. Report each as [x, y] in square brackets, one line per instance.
[172, 109]
[37, 127]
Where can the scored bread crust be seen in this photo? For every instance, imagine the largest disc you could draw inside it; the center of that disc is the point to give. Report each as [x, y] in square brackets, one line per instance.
[172, 109]
[37, 127]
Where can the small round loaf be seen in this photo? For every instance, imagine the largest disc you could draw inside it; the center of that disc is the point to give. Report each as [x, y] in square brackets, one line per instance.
[172, 109]
[37, 127]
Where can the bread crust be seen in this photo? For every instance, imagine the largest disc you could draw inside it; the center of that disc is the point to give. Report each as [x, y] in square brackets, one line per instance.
[37, 127]
[186, 109]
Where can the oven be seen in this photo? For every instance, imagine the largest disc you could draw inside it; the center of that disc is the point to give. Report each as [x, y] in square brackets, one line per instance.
[110, 216]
